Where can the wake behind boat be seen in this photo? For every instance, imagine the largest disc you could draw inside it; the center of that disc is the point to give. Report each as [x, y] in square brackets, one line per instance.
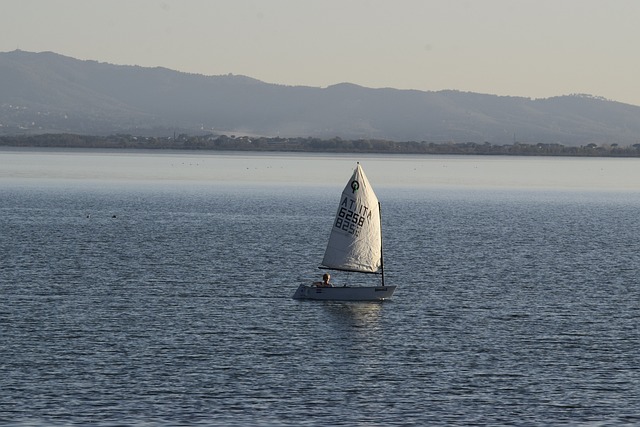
[355, 244]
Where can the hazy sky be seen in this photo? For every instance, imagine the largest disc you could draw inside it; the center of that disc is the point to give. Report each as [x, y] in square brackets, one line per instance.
[532, 48]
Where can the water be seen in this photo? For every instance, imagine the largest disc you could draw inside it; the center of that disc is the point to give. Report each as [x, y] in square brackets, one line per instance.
[137, 301]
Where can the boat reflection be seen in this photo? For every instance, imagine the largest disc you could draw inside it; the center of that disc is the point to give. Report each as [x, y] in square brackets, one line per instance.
[360, 317]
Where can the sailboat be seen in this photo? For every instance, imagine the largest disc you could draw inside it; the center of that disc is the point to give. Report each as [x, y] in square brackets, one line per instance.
[355, 244]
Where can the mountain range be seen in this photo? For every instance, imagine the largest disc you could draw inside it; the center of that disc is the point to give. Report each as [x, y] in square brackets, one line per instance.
[50, 93]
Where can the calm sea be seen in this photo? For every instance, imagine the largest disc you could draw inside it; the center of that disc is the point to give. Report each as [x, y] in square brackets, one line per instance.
[142, 288]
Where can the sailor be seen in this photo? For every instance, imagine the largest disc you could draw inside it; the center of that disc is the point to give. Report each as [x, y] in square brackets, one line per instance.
[325, 281]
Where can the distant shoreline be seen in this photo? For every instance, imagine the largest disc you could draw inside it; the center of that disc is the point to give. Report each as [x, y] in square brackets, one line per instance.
[225, 143]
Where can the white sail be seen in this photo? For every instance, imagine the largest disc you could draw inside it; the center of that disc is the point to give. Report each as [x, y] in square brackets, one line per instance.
[355, 242]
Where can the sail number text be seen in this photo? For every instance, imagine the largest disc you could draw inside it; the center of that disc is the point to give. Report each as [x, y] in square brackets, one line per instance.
[351, 216]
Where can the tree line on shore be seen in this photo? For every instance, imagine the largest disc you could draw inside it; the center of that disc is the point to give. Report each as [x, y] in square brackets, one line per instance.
[318, 145]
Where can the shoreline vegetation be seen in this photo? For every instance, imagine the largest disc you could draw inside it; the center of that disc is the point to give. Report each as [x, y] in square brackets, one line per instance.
[313, 145]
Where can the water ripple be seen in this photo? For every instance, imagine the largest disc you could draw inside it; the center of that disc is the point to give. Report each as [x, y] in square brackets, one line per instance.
[509, 310]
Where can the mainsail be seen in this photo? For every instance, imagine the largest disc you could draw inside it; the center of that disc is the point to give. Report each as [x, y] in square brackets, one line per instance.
[355, 243]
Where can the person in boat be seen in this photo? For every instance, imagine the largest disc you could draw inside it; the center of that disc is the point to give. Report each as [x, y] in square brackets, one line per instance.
[325, 281]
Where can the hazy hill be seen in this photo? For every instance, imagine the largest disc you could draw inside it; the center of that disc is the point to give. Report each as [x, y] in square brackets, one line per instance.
[47, 92]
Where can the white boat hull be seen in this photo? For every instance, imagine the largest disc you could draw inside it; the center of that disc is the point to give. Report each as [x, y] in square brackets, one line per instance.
[345, 293]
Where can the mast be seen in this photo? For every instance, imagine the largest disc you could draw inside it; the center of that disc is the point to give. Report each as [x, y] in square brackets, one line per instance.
[381, 253]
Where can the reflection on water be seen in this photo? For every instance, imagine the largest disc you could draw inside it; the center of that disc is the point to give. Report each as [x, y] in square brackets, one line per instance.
[356, 316]
[326, 169]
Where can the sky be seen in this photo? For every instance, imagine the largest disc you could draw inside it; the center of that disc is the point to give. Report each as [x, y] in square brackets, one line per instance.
[529, 48]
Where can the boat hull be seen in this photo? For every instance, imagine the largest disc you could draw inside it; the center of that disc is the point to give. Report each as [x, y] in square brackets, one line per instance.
[345, 293]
